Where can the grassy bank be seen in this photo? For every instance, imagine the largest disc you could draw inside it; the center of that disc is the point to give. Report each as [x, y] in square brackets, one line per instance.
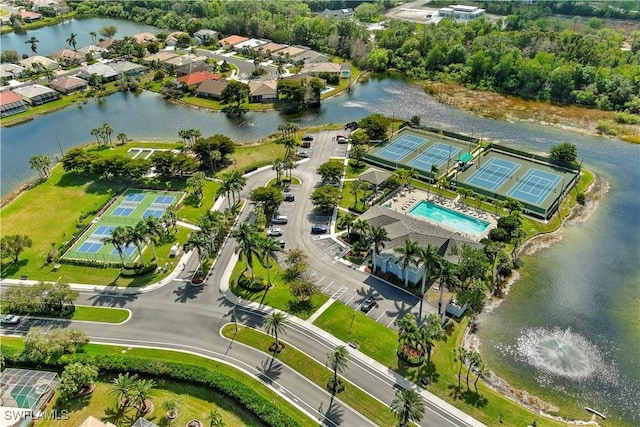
[380, 343]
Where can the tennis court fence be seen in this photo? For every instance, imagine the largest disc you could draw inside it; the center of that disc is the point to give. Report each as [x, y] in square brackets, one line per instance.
[392, 166]
[531, 156]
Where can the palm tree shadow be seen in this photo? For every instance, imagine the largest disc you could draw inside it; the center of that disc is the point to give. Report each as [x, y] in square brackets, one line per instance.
[334, 413]
[271, 370]
[468, 396]
[187, 292]
[120, 415]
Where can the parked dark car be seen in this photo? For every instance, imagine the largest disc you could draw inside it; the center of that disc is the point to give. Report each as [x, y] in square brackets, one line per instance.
[307, 138]
[318, 229]
[306, 144]
[289, 197]
[368, 304]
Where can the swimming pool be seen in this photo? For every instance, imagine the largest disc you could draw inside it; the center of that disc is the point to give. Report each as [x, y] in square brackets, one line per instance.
[450, 218]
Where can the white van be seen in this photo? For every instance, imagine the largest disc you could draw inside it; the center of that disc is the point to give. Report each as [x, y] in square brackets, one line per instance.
[279, 219]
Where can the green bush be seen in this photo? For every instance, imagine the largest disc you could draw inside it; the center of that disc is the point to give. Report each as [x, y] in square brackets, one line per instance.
[256, 284]
[626, 118]
[264, 410]
[138, 271]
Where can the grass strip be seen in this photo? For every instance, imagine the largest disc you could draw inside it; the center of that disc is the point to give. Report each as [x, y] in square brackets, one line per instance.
[100, 314]
[353, 396]
[16, 344]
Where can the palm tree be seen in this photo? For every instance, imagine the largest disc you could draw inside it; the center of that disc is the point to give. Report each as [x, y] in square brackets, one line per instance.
[289, 144]
[512, 205]
[281, 70]
[238, 182]
[274, 324]
[434, 170]
[448, 276]
[338, 362]
[408, 332]
[171, 406]
[41, 163]
[408, 254]
[170, 217]
[118, 239]
[226, 186]
[377, 237]
[346, 221]
[122, 386]
[278, 166]
[215, 419]
[34, 44]
[137, 235]
[430, 258]
[153, 231]
[122, 138]
[107, 130]
[268, 248]
[460, 354]
[430, 332]
[94, 37]
[356, 186]
[408, 406]
[481, 371]
[245, 236]
[200, 243]
[289, 165]
[473, 359]
[141, 391]
[360, 227]
[71, 41]
[214, 158]
[498, 205]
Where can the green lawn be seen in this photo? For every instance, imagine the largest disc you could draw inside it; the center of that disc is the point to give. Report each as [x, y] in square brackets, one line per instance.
[353, 172]
[254, 156]
[317, 373]
[205, 399]
[100, 314]
[278, 296]
[190, 211]
[348, 200]
[380, 343]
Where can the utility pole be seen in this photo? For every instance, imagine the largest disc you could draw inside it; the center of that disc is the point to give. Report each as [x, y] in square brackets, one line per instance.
[59, 146]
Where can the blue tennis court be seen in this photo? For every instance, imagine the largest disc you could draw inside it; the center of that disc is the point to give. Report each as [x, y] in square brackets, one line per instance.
[128, 251]
[90, 247]
[535, 186]
[164, 200]
[401, 147]
[104, 230]
[493, 174]
[134, 197]
[156, 213]
[120, 211]
[437, 155]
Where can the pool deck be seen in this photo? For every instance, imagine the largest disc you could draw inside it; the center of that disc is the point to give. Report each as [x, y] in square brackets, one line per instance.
[404, 200]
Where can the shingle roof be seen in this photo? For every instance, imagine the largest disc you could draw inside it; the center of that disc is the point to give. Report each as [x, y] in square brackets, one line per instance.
[233, 40]
[9, 97]
[67, 82]
[32, 91]
[374, 176]
[214, 87]
[265, 87]
[321, 67]
[270, 47]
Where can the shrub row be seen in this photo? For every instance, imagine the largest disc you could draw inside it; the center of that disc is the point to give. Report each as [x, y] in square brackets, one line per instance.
[138, 271]
[88, 263]
[183, 372]
[252, 285]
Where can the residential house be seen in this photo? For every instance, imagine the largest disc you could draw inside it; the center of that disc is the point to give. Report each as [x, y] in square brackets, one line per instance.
[400, 228]
[285, 55]
[229, 42]
[128, 68]
[53, 4]
[192, 67]
[11, 71]
[159, 57]
[197, 78]
[66, 57]
[144, 38]
[321, 67]
[38, 63]
[309, 57]
[206, 36]
[95, 51]
[37, 94]
[268, 49]
[68, 84]
[28, 16]
[11, 103]
[458, 11]
[263, 91]
[248, 44]
[106, 44]
[345, 70]
[212, 88]
[105, 71]
[338, 13]
[172, 38]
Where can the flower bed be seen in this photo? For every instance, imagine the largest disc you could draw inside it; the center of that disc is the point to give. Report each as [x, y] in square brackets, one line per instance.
[410, 355]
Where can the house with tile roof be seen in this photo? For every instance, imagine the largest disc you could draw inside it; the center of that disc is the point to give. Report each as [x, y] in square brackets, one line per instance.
[321, 67]
[37, 94]
[197, 78]
[206, 36]
[159, 57]
[105, 71]
[11, 71]
[268, 49]
[145, 38]
[11, 103]
[68, 84]
[285, 55]
[263, 91]
[192, 67]
[229, 42]
[66, 57]
[37, 63]
[28, 16]
[400, 228]
[309, 57]
[212, 88]
[128, 68]
[95, 51]
[105, 44]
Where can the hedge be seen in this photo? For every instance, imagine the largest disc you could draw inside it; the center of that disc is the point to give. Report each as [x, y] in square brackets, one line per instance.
[183, 372]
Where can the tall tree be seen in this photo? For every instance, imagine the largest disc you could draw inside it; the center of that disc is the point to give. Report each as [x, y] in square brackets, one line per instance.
[448, 277]
[267, 248]
[235, 94]
[356, 186]
[71, 41]
[34, 44]
[199, 241]
[118, 239]
[430, 260]
[346, 221]
[408, 406]
[408, 332]
[460, 355]
[122, 387]
[430, 332]
[247, 247]
[275, 324]
[138, 236]
[408, 254]
[197, 182]
[377, 237]
[41, 164]
[338, 362]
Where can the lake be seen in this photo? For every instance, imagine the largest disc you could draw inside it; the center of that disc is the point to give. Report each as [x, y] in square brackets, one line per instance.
[582, 293]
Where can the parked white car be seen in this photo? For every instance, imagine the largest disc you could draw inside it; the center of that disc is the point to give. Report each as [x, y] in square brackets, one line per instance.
[274, 232]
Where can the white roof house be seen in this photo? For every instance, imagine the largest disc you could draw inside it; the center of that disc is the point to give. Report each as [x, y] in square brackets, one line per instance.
[37, 94]
[11, 71]
[249, 44]
[459, 11]
[103, 70]
[36, 62]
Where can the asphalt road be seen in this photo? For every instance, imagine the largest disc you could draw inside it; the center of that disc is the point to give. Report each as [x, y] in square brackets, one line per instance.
[188, 318]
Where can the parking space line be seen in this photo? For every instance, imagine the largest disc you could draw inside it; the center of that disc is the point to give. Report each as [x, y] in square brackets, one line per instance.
[329, 286]
[347, 303]
[339, 292]
[392, 320]
[383, 313]
[318, 282]
[313, 275]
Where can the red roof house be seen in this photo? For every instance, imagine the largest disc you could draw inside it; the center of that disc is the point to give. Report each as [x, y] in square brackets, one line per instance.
[198, 77]
[230, 41]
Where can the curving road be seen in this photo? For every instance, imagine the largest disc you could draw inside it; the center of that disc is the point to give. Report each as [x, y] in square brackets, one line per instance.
[187, 318]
